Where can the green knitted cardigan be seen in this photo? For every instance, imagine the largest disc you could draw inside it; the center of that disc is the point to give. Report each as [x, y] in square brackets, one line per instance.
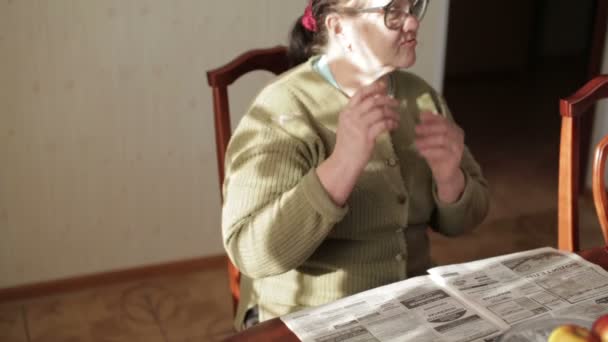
[293, 245]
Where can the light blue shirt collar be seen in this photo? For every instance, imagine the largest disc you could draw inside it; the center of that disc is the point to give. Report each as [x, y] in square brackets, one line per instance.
[321, 65]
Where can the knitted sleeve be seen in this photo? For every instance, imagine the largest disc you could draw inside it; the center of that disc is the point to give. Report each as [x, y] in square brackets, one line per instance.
[275, 212]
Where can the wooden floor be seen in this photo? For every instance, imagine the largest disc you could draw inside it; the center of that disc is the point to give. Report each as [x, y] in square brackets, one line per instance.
[191, 307]
[512, 126]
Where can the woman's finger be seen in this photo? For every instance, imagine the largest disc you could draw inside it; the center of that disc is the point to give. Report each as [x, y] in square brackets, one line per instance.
[378, 101]
[377, 88]
[379, 114]
[433, 141]
[429, 128]
[433, 154]
[380, 127]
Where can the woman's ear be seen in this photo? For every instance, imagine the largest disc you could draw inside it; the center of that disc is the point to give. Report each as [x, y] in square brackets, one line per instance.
[333, 24]
[337, 29]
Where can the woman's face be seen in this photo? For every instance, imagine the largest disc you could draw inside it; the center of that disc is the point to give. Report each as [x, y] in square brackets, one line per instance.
[375, 47]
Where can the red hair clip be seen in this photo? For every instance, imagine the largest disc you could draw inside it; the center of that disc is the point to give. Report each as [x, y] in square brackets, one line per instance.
[308, 19]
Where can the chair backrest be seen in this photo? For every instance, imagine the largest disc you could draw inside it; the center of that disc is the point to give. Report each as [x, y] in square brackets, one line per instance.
[271, 59]
[571, 110]
[600, 198]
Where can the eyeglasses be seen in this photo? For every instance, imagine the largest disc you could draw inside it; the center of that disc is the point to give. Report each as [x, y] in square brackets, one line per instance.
[394, 14]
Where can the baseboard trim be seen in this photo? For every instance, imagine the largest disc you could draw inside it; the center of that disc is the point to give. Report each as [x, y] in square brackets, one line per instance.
[106, 278]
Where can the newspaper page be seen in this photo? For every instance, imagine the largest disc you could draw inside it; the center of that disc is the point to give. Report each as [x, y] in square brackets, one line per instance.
[528, 285]
[416, 309]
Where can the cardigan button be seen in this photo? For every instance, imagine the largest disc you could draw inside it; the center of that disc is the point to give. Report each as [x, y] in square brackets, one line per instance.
[399, 257]
[392, 162]
[401, 199]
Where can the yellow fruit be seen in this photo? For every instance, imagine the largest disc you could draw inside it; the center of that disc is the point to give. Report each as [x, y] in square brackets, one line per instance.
[572, 333]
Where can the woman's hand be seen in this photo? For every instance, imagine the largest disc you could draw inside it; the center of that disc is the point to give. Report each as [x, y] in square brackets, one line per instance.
[369, 113]
[441, 143]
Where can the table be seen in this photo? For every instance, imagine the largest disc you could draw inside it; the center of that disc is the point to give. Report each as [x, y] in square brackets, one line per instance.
[276, 330]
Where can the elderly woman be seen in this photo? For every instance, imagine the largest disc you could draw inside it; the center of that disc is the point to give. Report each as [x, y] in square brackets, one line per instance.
[341, 164]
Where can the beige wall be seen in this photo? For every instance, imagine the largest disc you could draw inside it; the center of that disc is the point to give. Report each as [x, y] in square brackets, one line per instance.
[107, 155]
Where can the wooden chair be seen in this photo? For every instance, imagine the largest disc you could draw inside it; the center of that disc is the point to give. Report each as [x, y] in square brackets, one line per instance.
[571, 109]
[600, 198]
[271, 59]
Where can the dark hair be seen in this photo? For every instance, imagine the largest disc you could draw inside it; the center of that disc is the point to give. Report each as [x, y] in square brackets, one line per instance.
[304, 43]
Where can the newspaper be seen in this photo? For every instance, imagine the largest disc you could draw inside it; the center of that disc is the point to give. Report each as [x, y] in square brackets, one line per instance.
[476, 301]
